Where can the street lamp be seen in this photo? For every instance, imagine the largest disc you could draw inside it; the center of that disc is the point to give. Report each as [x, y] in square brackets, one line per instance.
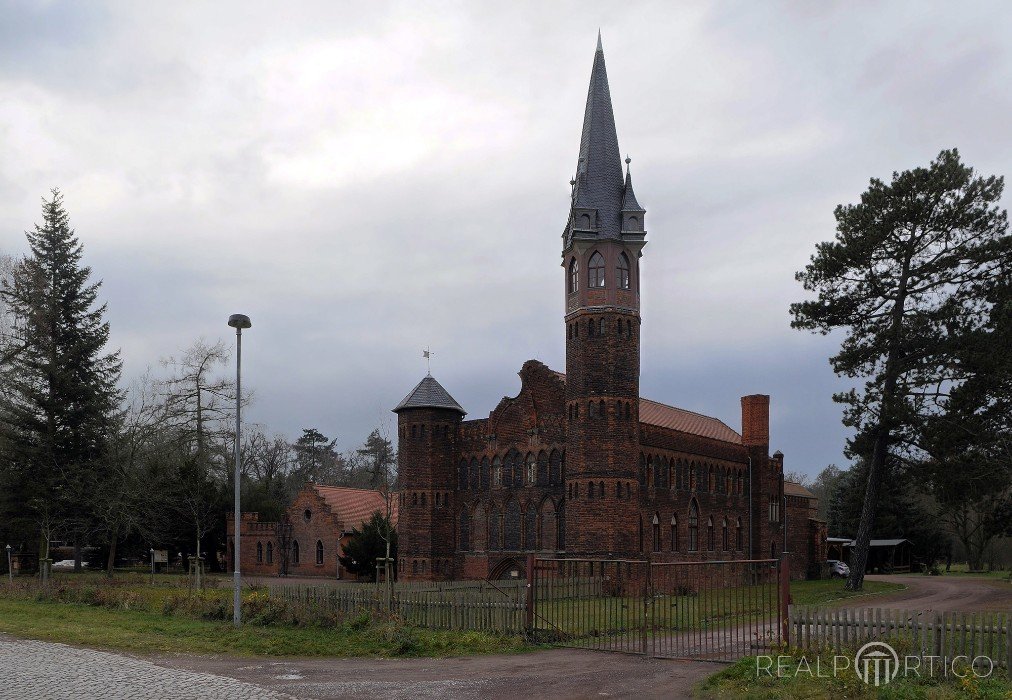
[237, 321]
[10, 571]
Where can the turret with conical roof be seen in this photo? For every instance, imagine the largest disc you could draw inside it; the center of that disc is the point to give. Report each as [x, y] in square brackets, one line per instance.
[428, 420]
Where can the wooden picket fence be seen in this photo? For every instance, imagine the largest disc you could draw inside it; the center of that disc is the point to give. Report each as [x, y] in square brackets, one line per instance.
[913, 632]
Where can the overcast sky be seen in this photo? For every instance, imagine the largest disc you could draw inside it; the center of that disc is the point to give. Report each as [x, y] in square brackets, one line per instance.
[365, 179]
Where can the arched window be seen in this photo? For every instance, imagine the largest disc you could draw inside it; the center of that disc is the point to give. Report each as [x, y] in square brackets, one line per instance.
[295, 551]
[641, 533]
[511, 526]
[496, 471]
[531, 527]
[480, 529]
[319, 552]
[674, 533]
[574, 276]
[643, 471]
[711, 543]
[600, 489]
[600, 327]
[270, 553]
[555, 467]
[494, 529]
[474, 476]
[592, 410]
[260, 553]
[596, 270]
[656, 530]
[549, 526]
[618, 490]
[724, 539]
[484, 473]
[709, 479]
[623, 271]
[462, 475]
[590, 489]
[542, 479]
[532, 469]
[693, 526]
[465, 530]
[414, 566]
[678, 476]
[738, 536]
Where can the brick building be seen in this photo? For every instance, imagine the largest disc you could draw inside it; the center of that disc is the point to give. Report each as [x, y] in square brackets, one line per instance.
[309, 540]
[580, 464]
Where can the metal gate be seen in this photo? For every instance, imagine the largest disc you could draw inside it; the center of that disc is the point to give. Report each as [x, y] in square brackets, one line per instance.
[708, 610]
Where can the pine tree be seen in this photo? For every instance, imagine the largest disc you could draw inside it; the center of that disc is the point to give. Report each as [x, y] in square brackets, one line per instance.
[61, 404]
[907, 278]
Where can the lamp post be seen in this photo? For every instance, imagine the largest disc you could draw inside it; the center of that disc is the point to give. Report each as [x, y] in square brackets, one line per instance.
[237, 321]
[10, 571]
[152, 553]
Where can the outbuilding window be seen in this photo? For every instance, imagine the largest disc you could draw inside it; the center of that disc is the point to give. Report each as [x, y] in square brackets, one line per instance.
[319, 552]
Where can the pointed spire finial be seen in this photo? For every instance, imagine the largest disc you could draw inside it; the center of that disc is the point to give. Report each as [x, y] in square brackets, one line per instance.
[628, 160]
[600, 47]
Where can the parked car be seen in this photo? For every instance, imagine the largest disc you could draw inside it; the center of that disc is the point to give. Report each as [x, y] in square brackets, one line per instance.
[837, 569]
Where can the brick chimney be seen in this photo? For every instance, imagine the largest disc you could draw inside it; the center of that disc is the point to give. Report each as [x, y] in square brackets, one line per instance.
[755, 420]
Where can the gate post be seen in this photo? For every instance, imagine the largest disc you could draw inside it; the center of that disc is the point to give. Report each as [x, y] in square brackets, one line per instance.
[785, 600]
[529, 612]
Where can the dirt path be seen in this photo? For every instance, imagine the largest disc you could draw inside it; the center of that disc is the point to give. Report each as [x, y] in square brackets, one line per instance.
[943, 593]
[558, 673]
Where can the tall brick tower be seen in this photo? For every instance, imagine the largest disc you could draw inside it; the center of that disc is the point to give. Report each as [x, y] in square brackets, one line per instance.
[427, 422]
[601, 248]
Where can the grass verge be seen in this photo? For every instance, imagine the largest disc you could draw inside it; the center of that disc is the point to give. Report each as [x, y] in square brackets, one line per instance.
[829, 591]
[741, 680]
[149, 632]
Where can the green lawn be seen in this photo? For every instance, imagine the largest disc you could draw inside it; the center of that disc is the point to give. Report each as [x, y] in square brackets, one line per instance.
[741, 680]
[141, 631]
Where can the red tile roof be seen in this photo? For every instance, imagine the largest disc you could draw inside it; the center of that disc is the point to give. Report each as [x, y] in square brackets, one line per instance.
[354, 507]
[793, 489]
[664, 416]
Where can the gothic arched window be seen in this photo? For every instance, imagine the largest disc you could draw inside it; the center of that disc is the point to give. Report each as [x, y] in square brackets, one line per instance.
[656, 532]
[260, 553]
[319, 552]
[596, 270]
[693, 526]
[465, 530]
[724, 540]
[574, 276]
[295, 551]
[623, 271]
[738, 536]
[674, 533]
[270, 553]
[710, 539]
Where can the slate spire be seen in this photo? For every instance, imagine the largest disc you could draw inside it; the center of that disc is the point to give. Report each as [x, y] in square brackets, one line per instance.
[429, 394]
[629, 203]
[598, 186]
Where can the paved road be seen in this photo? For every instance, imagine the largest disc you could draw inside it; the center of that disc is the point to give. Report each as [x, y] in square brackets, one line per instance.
[558, 673]
[33, 669]
[30, 669]
[942, 593]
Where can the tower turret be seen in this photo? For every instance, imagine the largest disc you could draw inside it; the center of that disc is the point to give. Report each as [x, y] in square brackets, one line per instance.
[602, 244]
[427, 424]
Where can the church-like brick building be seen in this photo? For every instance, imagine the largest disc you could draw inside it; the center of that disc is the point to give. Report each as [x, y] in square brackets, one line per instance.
[580, 464]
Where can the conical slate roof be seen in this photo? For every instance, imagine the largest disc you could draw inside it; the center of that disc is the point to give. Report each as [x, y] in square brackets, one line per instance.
[599, 182]
[629, 202]
[429, 394]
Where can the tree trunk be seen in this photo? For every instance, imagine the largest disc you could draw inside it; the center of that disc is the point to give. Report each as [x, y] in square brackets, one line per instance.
[111, 562]
[77, 556]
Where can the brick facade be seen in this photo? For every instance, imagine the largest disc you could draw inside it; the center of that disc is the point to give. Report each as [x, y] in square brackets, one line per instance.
[313, 534]
[579, 464]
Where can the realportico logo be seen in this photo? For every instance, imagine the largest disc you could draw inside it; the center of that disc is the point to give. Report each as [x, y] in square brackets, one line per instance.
[877, 664]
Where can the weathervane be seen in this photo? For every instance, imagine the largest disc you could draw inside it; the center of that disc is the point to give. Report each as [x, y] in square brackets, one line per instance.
[427, 354]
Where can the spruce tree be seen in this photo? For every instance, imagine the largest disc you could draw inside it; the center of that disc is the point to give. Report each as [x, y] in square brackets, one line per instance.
[61, 404]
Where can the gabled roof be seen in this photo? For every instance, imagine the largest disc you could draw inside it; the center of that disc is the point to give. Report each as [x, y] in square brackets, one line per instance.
[664, 416]
[794, 489]
[354, 507]
[429, 394]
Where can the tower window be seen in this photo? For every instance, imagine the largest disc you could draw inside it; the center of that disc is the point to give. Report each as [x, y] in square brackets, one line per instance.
[596, 270]
[623, 271]
[574, 276]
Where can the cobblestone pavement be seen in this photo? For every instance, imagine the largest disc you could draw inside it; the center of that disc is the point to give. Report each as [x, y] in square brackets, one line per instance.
[31, 669]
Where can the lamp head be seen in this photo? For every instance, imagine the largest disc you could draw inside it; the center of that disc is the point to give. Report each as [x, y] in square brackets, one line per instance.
[239, 321]
[8, 548]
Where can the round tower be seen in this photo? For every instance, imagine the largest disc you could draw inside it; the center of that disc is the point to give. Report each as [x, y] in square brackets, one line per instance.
[427, 424]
